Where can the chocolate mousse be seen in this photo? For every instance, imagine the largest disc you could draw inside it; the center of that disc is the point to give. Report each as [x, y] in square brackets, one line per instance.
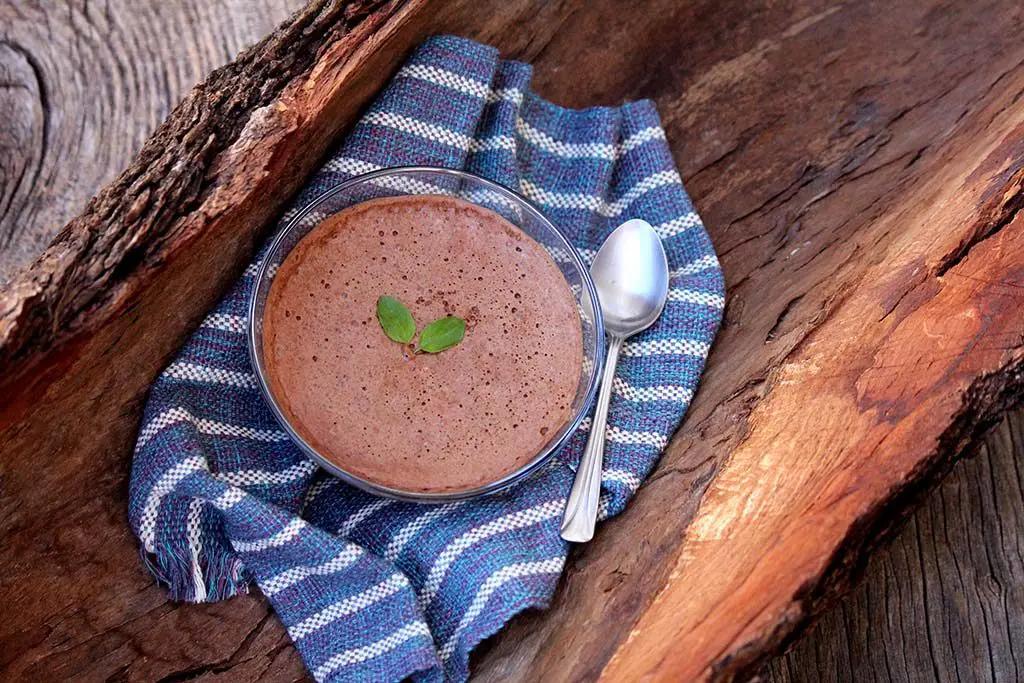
[423, 422]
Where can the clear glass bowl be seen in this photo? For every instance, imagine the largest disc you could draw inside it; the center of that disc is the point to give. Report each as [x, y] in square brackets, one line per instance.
[437, 181]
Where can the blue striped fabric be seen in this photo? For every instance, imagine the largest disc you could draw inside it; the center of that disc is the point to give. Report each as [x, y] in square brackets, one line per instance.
[371, 589]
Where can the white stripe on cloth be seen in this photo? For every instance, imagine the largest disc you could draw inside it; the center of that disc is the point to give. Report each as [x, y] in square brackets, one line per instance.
[311, 218]
[409, 531]
[628, 436]
[624, 477]
[614, 475]
[421, 129]
[316, 489]
[445, 78]
[677, 226]
[296, 472]
[229, 499]
[193, 531]
[253, 268]
[595, 150]
[464, 84]
[663, 392]
[285, 535]
[361, 654]
[576, 200]
[690, 296]
[291, 213]
[505, 142]
[447, 557]
[487, 588]
[604, 504]
[195, 372]
[707, 262]
[485, 196]
[666, 347]
[349, 525]
[349, 605]
[226, 322]
[163, 486]
[351, 165]
[345, 558]
[179, 415]
[513, 95]
[639, 138]
[354, 167]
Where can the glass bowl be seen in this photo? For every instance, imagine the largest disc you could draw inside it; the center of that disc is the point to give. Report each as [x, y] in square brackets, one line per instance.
[437, 181]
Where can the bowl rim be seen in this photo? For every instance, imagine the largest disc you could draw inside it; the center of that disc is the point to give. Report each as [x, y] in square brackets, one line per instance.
[543, 456]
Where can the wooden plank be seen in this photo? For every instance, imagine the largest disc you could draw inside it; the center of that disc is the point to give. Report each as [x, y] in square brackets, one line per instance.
[84, 85]
[858, 177]
[945, 601]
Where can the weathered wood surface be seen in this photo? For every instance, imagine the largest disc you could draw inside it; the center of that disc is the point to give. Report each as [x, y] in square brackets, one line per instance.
[860, 178]
[83, 85]
[944, 602]
[833, 156]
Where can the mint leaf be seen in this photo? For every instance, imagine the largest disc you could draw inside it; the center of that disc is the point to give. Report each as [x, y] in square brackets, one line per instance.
[442, 334]
[396, 320]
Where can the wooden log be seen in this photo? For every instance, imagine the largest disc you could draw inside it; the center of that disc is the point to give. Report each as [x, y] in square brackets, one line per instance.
[945, 600]
[861, 179]
[84, 86]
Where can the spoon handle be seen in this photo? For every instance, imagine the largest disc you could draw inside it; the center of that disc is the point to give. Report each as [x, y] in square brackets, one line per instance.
[581, 507]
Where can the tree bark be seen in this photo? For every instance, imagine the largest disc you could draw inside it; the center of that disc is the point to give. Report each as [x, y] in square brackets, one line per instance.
[944, 602]
[859, 167]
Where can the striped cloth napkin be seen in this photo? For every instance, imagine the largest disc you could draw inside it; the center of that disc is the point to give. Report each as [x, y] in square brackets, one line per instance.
[372, 589]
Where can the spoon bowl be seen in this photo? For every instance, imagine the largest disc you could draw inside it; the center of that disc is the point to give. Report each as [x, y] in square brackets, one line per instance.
[630, 274]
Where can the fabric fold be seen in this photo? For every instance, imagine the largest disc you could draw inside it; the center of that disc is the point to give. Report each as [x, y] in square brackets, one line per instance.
[373, 589]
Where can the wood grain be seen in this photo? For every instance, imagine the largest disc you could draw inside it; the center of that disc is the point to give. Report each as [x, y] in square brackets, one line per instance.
[861, 179]
[812, 136]
[83, 86]
[945, 601]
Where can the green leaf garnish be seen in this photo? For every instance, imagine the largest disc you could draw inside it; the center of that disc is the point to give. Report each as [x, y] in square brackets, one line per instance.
[396, 320]
[442, 334]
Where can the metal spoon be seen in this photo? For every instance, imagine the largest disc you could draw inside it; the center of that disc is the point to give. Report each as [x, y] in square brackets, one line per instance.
[630, 274]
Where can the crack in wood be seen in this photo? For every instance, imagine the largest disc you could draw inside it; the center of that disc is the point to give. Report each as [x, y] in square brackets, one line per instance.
[776, 330]
[238, 656]
[1000, 212]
